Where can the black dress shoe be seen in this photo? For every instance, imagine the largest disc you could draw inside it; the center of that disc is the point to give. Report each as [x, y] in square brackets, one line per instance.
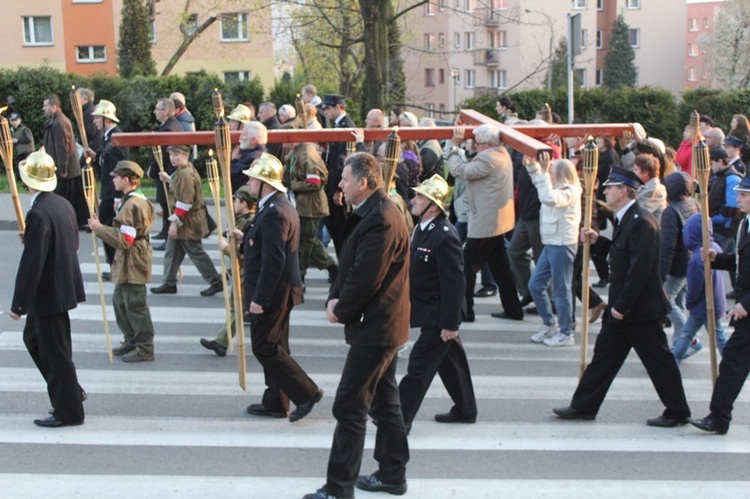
[449, 417]
[106, 276]
[261, 410]
[213, 289]
[503, 315]
[711, 425]
[570, 413]
[160, 235]
[164, 289]
[469, 316]
[214, 345]
[526, 300]
[322, 493]
[53, 422]
[485, 291]
[603, 283]
[304, 408]
[160, 247]
[373, 483]
[663, 422]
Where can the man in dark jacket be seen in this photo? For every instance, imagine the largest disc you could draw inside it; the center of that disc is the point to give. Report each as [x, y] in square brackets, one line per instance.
[267, 116]
[94, 136]
[252, 145]
[48, 285]
[23, 140]
[371, 298]
[633, 318]
[673, 255]
[164, 114]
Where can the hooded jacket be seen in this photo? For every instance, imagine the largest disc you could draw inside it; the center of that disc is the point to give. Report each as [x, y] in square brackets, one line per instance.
[695, 299]
[673, 255]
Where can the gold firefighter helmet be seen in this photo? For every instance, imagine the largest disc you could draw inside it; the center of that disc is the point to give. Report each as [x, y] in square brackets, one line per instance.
[267, 169]
[38, 171]
[435, 189]
[241, 113]
[106, 109]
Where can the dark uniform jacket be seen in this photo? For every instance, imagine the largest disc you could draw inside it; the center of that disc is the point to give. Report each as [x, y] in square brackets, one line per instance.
[436, 276]
[170, 125]
[271, 250]
[740, 263]
[93, 134]
[49, 278]
[275, 149]
[60, 144]
[334, 158]
[238, 165]
[373, 281]
[106, 160]
[635, 284]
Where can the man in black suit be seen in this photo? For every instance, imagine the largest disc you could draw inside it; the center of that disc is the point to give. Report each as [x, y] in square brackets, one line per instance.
[636, 310]
[48, 285]
[105, 160]
[371, 298]
[272, 287]
[436, 282]
[267, 116]
[164, 113]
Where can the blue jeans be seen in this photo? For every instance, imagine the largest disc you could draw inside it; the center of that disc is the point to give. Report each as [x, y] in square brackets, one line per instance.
[676, 288]
[692, 326]
[555, 264]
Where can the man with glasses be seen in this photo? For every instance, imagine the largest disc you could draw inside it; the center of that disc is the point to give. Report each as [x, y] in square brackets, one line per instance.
[164, 114]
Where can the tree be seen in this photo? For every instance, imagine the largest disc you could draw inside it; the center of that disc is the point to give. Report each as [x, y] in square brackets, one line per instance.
[729, 43]
[559, 66]
[619, 67]
[134, 49]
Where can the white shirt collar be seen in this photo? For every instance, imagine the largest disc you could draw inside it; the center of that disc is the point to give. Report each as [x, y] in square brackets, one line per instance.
[341, 117]
[33, 198]
[265, 198]
[423, 225]
[623, 210]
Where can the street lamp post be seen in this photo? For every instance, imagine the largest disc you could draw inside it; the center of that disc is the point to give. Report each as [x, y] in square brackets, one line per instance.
[454, 75]
[551, 25]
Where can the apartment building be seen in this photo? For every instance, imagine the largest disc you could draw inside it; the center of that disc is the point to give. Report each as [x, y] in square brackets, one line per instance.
[81, 36]
[701, 15]
[456, 49]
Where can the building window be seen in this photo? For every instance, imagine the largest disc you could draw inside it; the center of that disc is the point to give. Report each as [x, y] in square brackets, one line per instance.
[469, 4]
[693, 24]
[152, 37]
[441, 5]
[91, 53]
[469, 35]
[498, 78]
[579, 4]
[427, 41]
[441, 76]
[442, 110]
[37, 30]
[632, 4]
[581, 77]
[635, 38]
[599, 4]
[584, 38]
[429, 77]
[457, 39]
[234, 27]
[500, 40]
[599, 77]
[429, 9]
[430, 110]
[237, 76]
[692, 50]
[470, 75]
[691, 74]
[705, 23]
[441, 40]
[599, 39]
[501, 4]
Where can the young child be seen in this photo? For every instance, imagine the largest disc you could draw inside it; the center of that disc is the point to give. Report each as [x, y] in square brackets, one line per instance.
[695, 300]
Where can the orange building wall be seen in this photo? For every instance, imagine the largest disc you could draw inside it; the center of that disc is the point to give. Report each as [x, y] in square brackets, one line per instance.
[89, 24]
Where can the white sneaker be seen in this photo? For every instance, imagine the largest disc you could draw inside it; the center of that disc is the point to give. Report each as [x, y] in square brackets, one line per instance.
[544, 333]
[560, 340]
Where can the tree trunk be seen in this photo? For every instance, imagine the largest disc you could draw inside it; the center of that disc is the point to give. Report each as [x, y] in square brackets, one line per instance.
[375, 19]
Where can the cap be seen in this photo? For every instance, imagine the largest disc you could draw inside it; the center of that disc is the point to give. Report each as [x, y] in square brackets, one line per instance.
[717, 153]
[707, 120]
[744, 185]
[623, 176]
[126, 168]
[333, 99]
[733, 142]
[38, 171]
[182, 149]
[244, 194]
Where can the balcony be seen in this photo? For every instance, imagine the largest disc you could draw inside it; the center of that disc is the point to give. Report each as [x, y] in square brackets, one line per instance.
[481, 91]
[487, 17]
[486, 57]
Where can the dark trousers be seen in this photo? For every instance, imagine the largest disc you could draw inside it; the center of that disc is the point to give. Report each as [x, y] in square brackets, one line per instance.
[161, 198]
[311, 249]
[269, 334]
[429, 356]
[47, 339]
[492, 251]
[594, 299]
[368, 382]
[71, 188]
[335, 223]
[733, 371]
[599, 253]
[610, 351]
[106, 216]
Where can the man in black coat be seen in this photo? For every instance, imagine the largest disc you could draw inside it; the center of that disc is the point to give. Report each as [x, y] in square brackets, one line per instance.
[436, 283]
[105, 160]
[164, 113]
[267, 116]
[636, 310]
[48, 285]
[371, 298]
[271, 288]
[252, 145]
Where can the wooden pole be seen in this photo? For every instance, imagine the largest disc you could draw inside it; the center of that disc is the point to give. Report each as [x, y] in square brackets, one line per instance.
[160, 163]
[212, 172]
[75, 104]
[590, 168]
[390, 160]
[6, 151]
[224, 153]
[88, 179]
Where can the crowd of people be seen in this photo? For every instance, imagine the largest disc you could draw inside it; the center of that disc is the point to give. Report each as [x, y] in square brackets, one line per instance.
[407, 253]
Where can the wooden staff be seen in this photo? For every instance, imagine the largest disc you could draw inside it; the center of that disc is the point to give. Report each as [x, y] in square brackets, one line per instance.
[87, 176]
[702, 170]
[546, 113]
[160, 163]
[6, 151]
[695, 125]
[390, 160]
[301, 112]
[75, 104]
[590, 168]
[212, 172]
[224, 153]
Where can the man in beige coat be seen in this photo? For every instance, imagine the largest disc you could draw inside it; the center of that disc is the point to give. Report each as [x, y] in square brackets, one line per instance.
[489, 187]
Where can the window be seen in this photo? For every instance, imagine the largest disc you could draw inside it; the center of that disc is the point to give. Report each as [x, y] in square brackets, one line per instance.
[91, 53]
[470, 75]
[37, 31]
[501, 40]
[441, 40]
[441, 76]
[705, 23]
[152, 37]
[469, 36]
[584, 38]
[442, 110]
[693, 24]
[430, 110]
[599, 77]
[427, 41]
[429, 77]
[457, 39]
[599, 4]
[579, 4]
[692, 50]
[635, 38]
[469, 4]
[429, 9]
[691, 74]
[581, 77]
[632, 4]
[234, 27]
[498, 78]
[457, 4]
[501, 4]
[235, 76]
[599, 39]
[441, 5]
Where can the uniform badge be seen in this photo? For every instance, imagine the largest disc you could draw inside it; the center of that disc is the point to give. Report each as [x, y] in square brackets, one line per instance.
[432, 226]
[250, 242]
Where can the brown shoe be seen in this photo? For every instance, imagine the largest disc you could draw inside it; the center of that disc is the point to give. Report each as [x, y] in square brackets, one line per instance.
[597, 312]
[123, 349]
[138, 355]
